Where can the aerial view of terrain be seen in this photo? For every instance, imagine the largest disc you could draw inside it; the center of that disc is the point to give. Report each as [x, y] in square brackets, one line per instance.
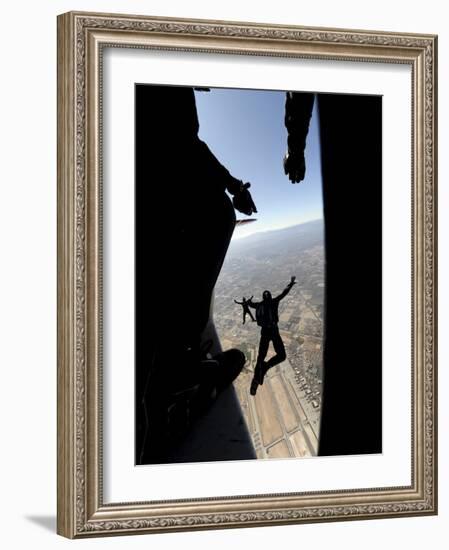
[283, 418]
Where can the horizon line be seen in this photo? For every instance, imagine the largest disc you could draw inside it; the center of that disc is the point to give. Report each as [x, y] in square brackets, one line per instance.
[277, 228]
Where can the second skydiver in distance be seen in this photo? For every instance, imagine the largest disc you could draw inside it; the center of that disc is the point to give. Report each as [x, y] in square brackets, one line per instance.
[245, 305]
[267, 318]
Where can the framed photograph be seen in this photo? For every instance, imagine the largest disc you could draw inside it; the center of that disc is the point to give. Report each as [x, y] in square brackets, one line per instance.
[246, 274]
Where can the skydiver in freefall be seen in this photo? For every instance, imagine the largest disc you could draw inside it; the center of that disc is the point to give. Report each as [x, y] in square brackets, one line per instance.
[245, 305]
[267, 317]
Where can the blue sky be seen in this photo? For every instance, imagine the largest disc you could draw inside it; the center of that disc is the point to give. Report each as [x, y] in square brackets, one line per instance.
[245, 130]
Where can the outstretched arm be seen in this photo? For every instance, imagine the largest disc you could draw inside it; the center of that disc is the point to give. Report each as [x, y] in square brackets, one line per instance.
[215, 172]
[239, 303]
[251, 303]
[286, 290]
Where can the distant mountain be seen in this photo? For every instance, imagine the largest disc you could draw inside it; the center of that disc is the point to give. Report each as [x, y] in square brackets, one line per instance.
[289, 240]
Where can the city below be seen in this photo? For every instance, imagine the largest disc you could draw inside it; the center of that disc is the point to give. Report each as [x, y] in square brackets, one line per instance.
[283, 418]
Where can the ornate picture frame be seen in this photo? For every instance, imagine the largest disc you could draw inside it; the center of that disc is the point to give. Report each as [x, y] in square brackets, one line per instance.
[82, 509]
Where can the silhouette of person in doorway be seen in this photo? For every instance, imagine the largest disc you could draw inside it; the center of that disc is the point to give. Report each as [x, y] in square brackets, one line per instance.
[350, 134]
[245, 305]
[184, 223]
[267, 317]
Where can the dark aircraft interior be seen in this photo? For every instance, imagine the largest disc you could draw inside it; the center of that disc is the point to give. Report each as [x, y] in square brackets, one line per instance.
[187, 207]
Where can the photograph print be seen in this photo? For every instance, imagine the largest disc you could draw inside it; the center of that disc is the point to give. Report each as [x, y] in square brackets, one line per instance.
[258, 274]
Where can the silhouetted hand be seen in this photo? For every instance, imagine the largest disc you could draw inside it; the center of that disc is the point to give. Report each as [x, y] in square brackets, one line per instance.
[292, 281]
[243, 202]
[295, 166]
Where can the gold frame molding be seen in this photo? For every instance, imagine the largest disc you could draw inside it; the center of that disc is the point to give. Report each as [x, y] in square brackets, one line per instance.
[81, 37]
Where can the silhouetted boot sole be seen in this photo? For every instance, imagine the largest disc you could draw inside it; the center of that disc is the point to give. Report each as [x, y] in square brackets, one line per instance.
[231, 363]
